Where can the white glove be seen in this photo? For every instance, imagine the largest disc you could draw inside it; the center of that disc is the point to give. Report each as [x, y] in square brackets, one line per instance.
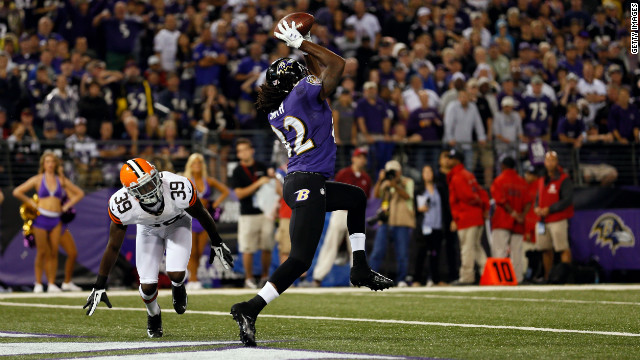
[289, 34]
[94, 299]
[223, 253]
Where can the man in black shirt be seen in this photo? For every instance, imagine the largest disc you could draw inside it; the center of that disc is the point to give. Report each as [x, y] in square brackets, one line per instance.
[255, 230]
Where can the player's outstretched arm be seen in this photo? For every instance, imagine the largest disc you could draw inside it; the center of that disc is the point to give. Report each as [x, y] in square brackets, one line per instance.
[334, 66]
[98, 294]
[218, 247]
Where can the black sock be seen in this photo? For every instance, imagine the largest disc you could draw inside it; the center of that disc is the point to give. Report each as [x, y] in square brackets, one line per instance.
[256, 305]
[360, 259]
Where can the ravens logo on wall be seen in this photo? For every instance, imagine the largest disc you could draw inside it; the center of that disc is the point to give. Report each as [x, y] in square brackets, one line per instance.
[610, 230]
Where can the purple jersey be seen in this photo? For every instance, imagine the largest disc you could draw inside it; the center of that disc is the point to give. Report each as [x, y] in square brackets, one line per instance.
[305, 126]
[624, 120]
[536, 152]
[537, 111]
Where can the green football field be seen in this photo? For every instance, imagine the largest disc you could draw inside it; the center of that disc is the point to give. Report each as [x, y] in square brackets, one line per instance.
[541, 322]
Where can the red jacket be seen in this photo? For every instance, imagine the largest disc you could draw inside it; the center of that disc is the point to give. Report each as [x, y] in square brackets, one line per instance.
[468, 200]
[509, 188]
[531, 219]
[549, 194]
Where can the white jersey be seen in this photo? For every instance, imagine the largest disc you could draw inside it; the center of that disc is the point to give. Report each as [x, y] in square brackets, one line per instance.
[178, 193]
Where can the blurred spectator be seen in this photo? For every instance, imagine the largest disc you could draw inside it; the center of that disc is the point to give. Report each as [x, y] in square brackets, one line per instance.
[469, 208]
[594, 158]
[507, 129]
[348, 43]
[411, 97]
[624, 119]
[84, 155]
[5, 131]
[554, 206]
[398, 23]
[569, 93]
[249, 69]
[424, 123]
[572, 63]
[10, 86]
[422, 24]
[571, 129]
[165, 43]
[94, 108]
[509, 89]
[456, 84]
[461, 120]
[344, 123]
[593, 90]
[538, 109]
[498, 62]
[61, 105]
[355, 175]
[171, 149]
[174, 100]
[396, 218]
[510, 193]
[131, 133]
[122, 32]
[37, 91]
[477, 26]
[111, 155]
[484, 151]
[135, 92]
[365, 23]
[430, 222]
[374, 123]
[255, 230]
[24, 147]
[209, 59]
[218, 115]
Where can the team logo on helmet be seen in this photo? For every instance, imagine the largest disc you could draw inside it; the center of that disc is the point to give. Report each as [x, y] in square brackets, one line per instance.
[611, 231]
[284, 66]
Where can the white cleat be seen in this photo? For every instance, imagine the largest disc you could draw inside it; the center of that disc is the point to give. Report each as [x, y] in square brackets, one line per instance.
[53, 288]
[194, 285]
[70, 286]
[37, 289]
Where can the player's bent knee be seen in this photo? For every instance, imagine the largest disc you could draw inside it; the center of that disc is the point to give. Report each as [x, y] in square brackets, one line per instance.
[149, 289]
[176, 276]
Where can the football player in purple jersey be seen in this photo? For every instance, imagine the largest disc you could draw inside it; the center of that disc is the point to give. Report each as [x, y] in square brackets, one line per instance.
[295, 98]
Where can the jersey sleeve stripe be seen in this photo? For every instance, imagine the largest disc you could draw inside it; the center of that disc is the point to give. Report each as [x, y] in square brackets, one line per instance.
[114, 218]
[194, 195]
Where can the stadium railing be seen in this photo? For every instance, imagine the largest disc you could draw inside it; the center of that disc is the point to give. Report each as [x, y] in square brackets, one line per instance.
[19, 161]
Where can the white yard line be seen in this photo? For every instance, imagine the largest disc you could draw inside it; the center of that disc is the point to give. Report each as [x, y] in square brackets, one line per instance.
[494, 298]
[328, 318]
[349, 290]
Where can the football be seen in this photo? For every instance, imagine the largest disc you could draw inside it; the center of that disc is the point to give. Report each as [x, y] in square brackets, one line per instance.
[303, 21]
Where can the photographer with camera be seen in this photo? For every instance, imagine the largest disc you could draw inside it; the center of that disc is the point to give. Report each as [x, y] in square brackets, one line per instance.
[396, 217]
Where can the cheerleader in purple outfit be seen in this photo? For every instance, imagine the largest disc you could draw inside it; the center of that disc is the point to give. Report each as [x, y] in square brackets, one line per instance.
[46, 227]
[196, 171]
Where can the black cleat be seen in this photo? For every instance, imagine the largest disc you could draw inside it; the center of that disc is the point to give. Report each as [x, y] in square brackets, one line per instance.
[179, 298]
[154, 326]
[369, 278]
[246, 323]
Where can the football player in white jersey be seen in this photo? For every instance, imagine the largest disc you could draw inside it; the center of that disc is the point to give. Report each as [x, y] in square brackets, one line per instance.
[161, 204]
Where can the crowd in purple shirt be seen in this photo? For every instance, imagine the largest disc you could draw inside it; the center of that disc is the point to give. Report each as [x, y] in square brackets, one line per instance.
[191, 63]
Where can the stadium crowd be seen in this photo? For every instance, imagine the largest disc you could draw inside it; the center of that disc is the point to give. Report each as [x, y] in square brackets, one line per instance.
[493, 78]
